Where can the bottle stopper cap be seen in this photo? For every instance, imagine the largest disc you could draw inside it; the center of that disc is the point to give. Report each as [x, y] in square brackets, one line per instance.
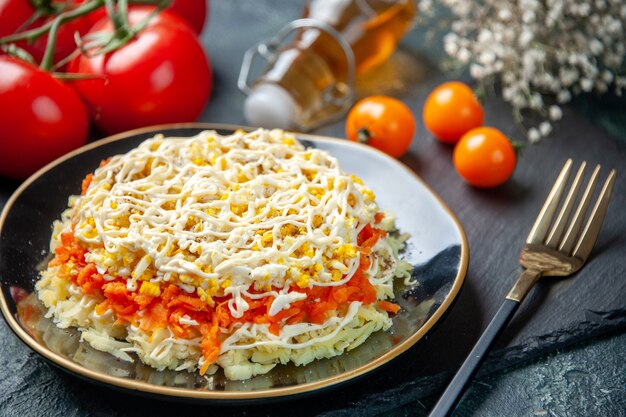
[269, 106]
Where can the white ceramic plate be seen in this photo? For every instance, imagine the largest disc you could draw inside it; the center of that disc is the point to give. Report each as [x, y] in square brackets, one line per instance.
[437, 248]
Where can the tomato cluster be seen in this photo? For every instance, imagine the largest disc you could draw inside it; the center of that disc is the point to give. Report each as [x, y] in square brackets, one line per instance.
[483, 156]
[158, 74]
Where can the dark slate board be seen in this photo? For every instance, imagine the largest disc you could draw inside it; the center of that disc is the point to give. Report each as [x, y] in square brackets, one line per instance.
[558, 312]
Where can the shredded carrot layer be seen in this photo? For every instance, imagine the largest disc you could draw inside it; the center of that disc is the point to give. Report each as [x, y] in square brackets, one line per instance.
[86, 183]
[389, 307]
[165, 311]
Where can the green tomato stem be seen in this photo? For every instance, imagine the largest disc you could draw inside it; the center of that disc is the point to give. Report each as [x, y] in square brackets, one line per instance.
[47, 60]
[122, 7]
[85, 8]
[13, 50]
[518, 147]
[118, 17]
[36, 15]
[363, 135]
[33, 34]
[63, 76]
[44, 8]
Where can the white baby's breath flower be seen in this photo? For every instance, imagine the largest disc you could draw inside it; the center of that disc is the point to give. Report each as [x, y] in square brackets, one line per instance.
[476, 71]
[600, 87]
[583, 9]
[451, 47]
[458, 26]
[508, 93]
[563, 96]
[615, 26]
[464, 56]
[595, 46]
[528, 16]
[528, 5]
[533, 135]
[508, 77]
[425, 6]
[607, 76]
[586, 84]
[600, 4]
[485, 36]
[568, 76]
[536, 102]
[620, 84]
[545, 128]
[555, 113]
[541, 51]
[487, 58]
[525, 37]
[519, 101]
[505, 14]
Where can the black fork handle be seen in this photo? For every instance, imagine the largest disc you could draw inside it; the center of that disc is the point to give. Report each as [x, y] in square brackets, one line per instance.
[464, 375]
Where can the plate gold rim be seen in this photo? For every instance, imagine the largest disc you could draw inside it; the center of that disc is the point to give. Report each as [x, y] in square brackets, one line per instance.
[227, 395]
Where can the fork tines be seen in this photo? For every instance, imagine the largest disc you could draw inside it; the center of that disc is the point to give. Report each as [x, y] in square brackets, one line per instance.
[552, 230]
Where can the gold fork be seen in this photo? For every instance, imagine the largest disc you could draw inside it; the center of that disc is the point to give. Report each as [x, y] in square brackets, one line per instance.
[550, 250]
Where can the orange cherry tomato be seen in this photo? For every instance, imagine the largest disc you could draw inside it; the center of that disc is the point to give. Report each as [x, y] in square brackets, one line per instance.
[382, 122]
[484, 157]
[451, 110]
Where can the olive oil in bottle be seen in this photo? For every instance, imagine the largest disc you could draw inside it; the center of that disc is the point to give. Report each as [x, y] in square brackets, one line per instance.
[310, 79]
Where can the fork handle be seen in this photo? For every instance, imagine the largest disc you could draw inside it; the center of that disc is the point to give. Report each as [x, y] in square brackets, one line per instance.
[464, 375]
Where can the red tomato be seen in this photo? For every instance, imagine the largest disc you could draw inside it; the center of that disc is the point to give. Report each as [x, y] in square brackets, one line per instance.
[192, 11]
[13, 14]
[41, 118]
[484, 157]
[382, 122]
[160, 76]
[451, 110]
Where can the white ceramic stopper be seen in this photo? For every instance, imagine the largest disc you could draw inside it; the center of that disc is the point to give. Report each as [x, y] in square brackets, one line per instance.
[269, 106]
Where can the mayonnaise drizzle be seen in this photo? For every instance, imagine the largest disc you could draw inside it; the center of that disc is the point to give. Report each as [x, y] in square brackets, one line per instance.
[235, 216]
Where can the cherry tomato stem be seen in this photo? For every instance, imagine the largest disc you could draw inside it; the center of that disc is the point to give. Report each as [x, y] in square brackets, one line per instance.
[363, 135]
